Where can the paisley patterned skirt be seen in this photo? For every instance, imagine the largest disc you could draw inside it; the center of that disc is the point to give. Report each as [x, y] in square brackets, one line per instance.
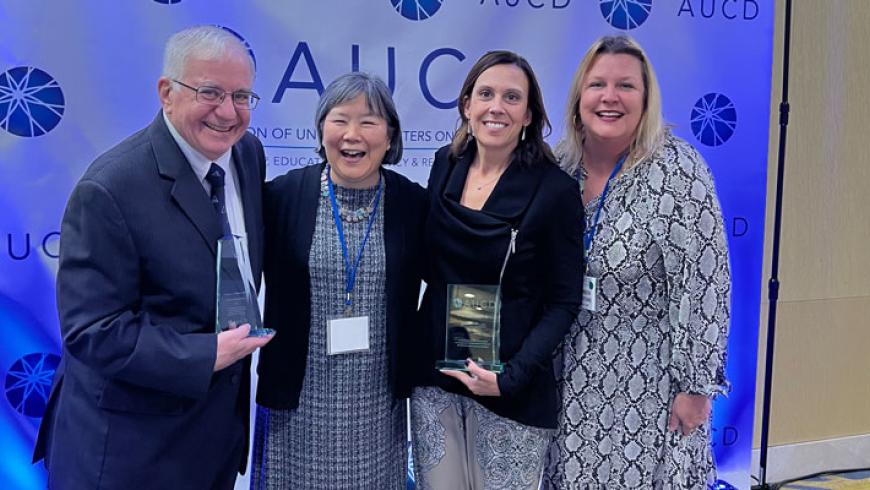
[459, 444]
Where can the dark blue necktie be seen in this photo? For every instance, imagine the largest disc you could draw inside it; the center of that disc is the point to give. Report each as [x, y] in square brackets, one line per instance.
[215, 177]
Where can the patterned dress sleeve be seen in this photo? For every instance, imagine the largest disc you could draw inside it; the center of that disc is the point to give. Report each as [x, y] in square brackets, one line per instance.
[698, 275]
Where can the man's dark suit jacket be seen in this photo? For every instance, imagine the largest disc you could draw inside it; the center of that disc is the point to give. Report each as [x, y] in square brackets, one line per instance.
[291, 203]
[541, 285]
[135, 403]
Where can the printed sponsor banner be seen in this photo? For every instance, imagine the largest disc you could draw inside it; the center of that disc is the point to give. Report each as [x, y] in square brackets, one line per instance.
[78, 77]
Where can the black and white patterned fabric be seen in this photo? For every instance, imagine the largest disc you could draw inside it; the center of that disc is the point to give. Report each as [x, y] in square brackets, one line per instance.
[461, 445]
[661, 328]
[348, 432]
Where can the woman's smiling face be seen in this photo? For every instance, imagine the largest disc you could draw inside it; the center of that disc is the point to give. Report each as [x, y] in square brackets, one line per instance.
[355, 141]
[611, 100]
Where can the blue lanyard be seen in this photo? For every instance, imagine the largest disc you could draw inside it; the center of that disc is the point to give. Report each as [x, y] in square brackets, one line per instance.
[589, 234]
[350, 272]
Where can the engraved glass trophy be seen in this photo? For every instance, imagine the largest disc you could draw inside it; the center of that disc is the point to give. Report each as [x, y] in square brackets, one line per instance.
[472, 327]
[236, 298]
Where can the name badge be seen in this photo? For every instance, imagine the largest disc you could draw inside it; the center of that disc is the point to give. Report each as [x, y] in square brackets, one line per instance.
[345, 335]
[590, 290]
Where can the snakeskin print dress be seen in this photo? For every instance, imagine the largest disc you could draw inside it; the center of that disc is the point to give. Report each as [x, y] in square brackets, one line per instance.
[660, 328]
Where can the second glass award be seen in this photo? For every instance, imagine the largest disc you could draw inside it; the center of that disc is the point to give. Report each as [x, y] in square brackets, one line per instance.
[236, 298]
[472, 327]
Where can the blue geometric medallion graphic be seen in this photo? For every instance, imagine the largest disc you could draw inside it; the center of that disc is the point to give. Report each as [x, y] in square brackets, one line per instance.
[416, 9]
[167, 2]
[28, 383]
[243, 40]
[31, 102]
[625, 14]
[714, 119]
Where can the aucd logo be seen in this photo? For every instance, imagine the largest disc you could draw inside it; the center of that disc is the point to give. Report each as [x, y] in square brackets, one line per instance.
[625, 14]
[31, 102]
[243, 40]
[714, 119]
[416, 9]
[28, 383]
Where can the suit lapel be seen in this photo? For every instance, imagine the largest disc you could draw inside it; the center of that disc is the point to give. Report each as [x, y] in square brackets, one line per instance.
[394, 247]
[248, 188]
[393, 237]
[186, 190]
[309, 199]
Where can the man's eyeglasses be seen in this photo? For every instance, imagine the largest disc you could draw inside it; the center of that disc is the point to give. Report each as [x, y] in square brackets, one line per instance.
[242, 99]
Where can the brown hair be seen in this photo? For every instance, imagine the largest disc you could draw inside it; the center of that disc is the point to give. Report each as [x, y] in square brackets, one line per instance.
[533, 148]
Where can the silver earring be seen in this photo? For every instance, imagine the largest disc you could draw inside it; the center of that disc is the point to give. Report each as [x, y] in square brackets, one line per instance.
[523, 134]
[470, 134]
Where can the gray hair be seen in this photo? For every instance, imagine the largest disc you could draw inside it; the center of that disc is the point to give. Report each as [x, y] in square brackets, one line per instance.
[348, 87]
[206, 42]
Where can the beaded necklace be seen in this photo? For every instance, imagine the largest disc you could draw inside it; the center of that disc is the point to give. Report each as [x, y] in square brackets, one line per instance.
[347, 215]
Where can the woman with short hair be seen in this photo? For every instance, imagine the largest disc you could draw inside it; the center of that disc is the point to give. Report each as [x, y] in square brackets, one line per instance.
[342, 269]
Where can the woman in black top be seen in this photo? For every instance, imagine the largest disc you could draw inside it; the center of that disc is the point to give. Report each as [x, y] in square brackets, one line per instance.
[501, 213]
[342, 256]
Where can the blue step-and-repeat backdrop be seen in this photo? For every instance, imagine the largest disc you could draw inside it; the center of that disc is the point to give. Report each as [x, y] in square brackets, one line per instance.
[77, 76]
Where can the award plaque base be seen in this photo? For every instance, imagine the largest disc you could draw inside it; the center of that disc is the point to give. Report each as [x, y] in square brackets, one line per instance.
[460, 366]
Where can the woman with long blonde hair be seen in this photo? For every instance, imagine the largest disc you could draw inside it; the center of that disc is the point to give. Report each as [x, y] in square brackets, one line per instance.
[646, 354]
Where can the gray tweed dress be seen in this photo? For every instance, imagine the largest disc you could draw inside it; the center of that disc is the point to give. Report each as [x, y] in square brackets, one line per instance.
[348, 432]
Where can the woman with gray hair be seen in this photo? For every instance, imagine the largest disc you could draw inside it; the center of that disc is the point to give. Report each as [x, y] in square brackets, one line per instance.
[342, 267]
[646, 354]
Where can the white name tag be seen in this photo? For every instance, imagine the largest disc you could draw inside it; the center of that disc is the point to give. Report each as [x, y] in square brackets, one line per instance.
[590, 293]
[347, 335]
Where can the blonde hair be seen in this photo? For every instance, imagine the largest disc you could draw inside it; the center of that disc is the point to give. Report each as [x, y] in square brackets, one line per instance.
[651, 128]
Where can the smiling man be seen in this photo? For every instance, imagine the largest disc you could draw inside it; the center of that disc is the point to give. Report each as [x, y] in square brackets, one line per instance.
[147, 394]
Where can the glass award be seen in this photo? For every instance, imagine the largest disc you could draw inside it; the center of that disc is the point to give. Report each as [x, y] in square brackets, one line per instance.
[472, 327]
[236, 298]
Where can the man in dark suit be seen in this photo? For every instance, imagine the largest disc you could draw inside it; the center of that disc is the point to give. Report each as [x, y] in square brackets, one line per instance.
[147, 395]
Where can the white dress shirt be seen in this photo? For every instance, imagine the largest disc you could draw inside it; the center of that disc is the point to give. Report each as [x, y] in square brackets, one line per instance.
[235, 212]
